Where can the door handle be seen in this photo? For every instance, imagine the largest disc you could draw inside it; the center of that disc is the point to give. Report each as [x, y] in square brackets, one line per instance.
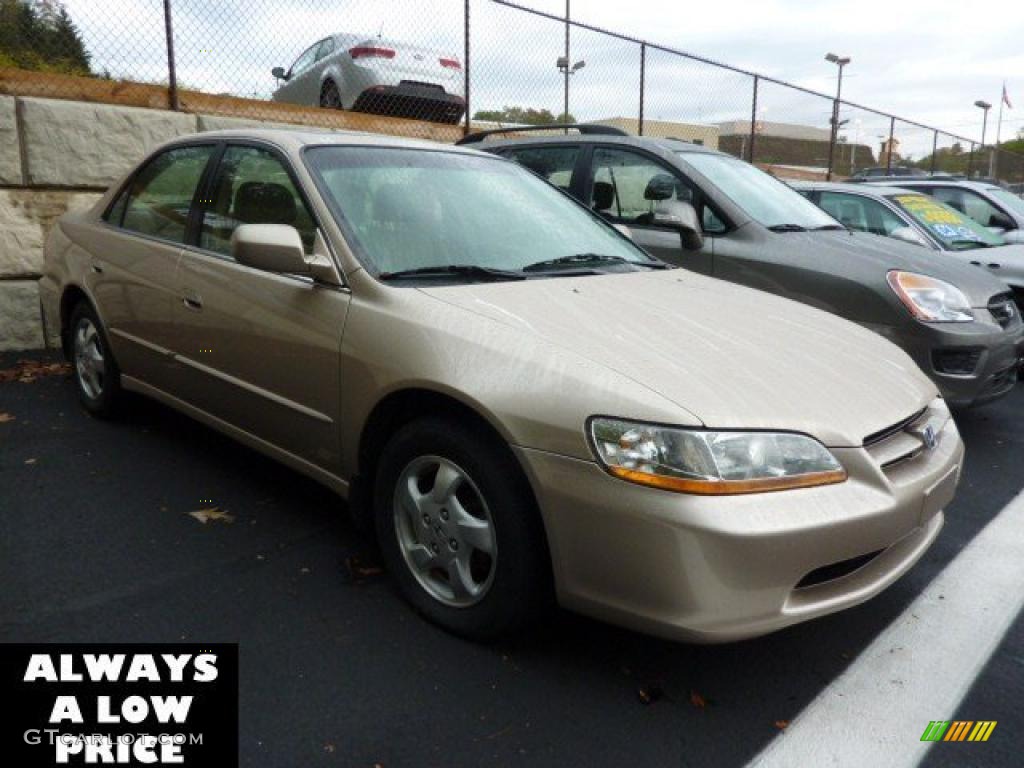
[192, 300]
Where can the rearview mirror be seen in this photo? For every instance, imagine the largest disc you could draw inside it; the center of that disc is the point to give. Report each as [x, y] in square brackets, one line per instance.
[680, 216]
[271, 247]
[279, 73]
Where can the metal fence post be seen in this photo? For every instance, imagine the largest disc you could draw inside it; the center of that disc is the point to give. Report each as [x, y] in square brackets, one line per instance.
[643, 75]
[565, 114]
[888, 155]
[467, 126]
[753, 120]
[172, 73]
[970, 161]
[935, 150]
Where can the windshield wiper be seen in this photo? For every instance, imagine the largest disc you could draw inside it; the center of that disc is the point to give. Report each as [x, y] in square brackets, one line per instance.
[787, 228]
[454, 270]
[830, 227]
[589, 259]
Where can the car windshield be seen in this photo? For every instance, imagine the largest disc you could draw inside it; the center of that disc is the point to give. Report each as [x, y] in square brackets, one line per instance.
[462, 216]
[761, 197]
[1007, 199]
[950, 227]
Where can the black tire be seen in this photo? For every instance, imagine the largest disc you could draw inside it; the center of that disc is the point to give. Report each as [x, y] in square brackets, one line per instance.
[519, 587]
[330, 97]
[98, 390]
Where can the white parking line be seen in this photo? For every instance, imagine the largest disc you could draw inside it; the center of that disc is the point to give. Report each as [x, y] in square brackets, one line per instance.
[920, 667]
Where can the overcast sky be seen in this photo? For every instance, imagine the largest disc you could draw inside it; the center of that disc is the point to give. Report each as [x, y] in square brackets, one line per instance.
[926, 61]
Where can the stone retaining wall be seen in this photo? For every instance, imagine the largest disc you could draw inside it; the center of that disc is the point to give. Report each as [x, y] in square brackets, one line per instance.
[56, 156]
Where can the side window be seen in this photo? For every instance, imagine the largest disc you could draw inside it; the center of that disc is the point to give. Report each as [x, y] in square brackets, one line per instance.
[326, 48]
[160, 196]
[623, 187]
[980, 209]
[252, 187]
[552, 163]
[304, 60]
[861, 213]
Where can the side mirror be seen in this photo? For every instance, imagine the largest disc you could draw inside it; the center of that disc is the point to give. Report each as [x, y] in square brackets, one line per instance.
[907, 235]
[682, 217]
[1013, 236]
[271, 247]
[279, 73]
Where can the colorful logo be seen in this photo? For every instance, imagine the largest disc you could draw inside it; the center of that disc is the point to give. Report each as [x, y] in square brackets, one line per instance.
[958, 730]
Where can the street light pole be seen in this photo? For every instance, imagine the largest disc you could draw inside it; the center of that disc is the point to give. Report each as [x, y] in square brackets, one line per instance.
[839, 61]
[984, 106]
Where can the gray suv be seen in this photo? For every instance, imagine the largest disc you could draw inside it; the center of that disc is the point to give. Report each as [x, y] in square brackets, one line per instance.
[959, 323]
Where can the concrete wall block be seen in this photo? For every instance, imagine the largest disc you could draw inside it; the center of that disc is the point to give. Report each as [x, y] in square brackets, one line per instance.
[26, 217]
[20, 324]
[80, 144]
[10, 148]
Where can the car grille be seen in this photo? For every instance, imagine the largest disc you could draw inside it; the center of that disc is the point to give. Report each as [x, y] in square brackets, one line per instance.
[903, 442]
[1003, 309]
[957, 361]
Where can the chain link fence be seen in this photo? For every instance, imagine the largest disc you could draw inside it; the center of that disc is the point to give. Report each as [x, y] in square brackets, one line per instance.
[440, 68]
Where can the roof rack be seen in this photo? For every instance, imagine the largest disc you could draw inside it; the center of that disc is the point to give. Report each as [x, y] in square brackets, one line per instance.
[587, 129]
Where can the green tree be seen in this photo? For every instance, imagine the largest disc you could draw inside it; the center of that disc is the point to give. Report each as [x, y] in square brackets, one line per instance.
[523, 116]
[40, 35]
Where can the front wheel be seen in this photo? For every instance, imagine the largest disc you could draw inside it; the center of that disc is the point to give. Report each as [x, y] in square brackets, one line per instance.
[459, 530]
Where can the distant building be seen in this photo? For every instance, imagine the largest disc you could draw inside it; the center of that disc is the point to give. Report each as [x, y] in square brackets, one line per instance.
[780, 130]
[696, 133]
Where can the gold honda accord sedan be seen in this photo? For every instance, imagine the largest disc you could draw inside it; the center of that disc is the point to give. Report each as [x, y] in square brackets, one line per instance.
[525, 405]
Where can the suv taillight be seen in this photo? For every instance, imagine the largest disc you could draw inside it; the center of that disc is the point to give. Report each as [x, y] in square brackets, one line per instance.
[369, 51]
[450, 63]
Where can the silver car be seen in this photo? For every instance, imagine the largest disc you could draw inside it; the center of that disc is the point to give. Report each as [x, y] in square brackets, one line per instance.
[375, 74]
[988, 204]
[910, 216]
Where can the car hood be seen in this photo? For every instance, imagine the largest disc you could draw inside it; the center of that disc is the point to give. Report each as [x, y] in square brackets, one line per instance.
[732, 356]
[874, 254]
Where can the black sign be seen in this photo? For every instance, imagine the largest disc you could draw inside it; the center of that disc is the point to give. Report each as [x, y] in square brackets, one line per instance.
[135, 704]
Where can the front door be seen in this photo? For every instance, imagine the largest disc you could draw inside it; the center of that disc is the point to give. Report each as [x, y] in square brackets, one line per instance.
[260, 350]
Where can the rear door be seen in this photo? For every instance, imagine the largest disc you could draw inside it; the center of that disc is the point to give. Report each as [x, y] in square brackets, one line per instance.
[260, 350]
[616, 188]
[135, 257]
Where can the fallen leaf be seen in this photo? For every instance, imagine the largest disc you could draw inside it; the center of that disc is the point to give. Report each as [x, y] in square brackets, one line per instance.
[213, 513]
[30, 461]
[650, 694]
[697, 700]
[27, 371]
[5, 417]
[782, 724]
[360, 568]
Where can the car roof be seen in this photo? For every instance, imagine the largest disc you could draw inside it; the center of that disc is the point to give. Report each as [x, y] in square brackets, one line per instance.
[870, 190]
[928, 182]
[665, 144]
[299, 137]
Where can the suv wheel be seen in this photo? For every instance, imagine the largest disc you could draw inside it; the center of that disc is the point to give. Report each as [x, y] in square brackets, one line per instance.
[459, 530]
[97, 377]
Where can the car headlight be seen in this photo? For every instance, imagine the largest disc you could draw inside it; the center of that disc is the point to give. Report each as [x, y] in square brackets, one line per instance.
[929, 299]
[712, 463]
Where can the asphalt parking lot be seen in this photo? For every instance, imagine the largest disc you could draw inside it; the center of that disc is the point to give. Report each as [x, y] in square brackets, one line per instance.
[98, 546]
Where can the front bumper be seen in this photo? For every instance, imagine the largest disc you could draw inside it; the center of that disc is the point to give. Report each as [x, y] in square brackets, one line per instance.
[717, 569]
[418, 101]
[994, 356]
